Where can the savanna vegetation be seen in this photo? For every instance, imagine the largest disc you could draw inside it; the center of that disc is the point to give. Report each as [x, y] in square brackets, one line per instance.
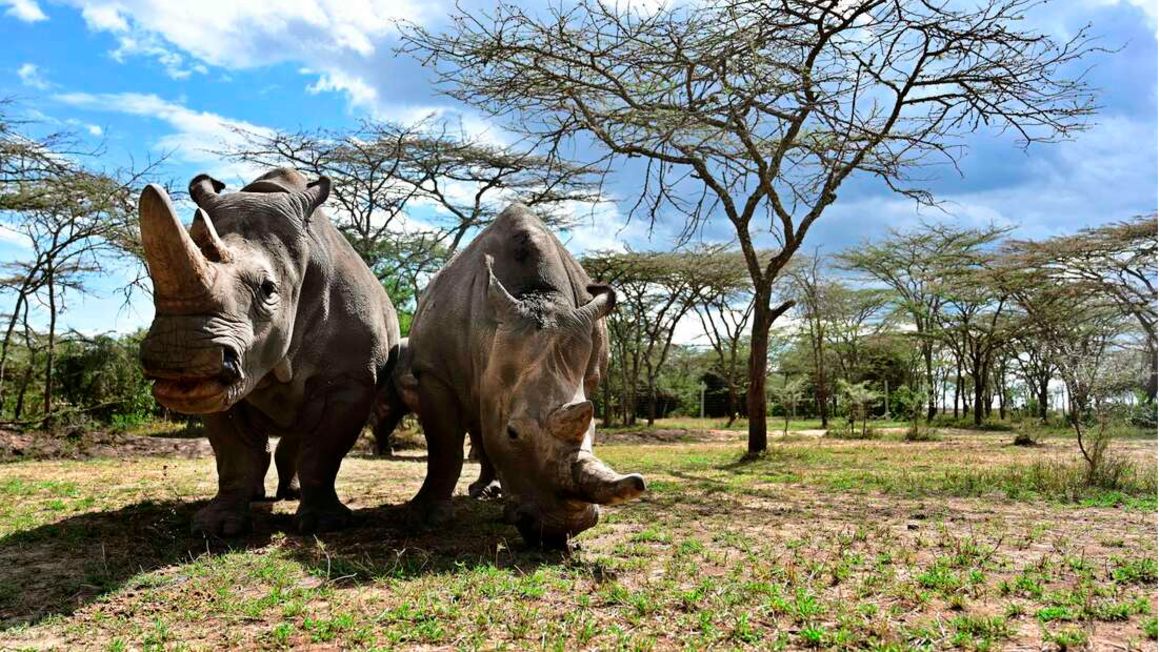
[942, 437]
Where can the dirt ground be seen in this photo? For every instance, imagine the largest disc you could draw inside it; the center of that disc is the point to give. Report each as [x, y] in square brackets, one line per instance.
[833, 544]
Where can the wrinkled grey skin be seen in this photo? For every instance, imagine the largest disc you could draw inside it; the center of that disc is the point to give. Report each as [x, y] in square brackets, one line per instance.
[267, 323]
[507, 343]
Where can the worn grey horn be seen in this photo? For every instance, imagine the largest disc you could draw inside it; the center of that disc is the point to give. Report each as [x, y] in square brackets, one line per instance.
[597, 483]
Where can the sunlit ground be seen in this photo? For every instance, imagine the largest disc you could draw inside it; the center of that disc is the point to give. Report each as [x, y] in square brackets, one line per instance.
[963, 542]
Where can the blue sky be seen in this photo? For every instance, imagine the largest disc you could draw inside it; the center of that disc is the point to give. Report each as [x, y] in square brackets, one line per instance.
[150, 77]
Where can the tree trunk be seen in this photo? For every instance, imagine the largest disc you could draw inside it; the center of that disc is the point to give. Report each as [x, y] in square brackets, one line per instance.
[6, 343]
[630, 410]
[758, 351]
[652, 401]
[51, 358]
[928, 360]
[1150, 388]
[1043, 397]
[958, 388]
[980, 382]
[607, 391]
[25, 381]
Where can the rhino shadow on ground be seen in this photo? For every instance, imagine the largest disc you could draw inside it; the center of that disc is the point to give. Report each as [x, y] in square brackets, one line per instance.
[58, 568]
[383, 544]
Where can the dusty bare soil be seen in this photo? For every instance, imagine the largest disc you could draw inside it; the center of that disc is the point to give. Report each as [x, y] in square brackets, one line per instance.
[822, 543]
[34, 445]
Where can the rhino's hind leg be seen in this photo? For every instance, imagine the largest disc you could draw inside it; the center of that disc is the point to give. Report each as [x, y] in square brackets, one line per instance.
[344, 411]
[242, 457]
[443, 428]
[286, 462]
[487, 486]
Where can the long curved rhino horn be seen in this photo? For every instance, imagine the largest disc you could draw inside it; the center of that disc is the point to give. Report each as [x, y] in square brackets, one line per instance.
[178, 268]
[597, 483]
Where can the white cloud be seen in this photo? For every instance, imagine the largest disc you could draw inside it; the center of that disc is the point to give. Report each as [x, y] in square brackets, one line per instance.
[235, 34]
[24, 10]
[30, 76]
[104, 18]
[1149, 8]
[196, 135]
[358, 91]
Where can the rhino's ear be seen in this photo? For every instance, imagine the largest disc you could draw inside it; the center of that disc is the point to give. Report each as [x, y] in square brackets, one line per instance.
[315, 195]
[569, 423]
[505, 307]
[204, 189]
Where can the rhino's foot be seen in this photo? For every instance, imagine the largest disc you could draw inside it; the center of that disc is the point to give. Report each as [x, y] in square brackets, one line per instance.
[323, 518]
[429, 513]
[482, 490]
[288, 491]
[222, 518]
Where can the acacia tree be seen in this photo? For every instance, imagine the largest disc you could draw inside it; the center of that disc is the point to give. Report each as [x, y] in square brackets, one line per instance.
[852, 315]
[1080, 333]
[654, 292]
[71, 229]
[68, 216]
[382, 172]
[974, 322]
[911, 264]
[788, 394]
[1116, 263]
[1033, 359]
[808, 290]
[724, 307]
[757, 111]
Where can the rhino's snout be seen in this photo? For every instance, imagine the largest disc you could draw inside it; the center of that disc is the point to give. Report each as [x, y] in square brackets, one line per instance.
[162, 361]
[192, 379]
[552, 529]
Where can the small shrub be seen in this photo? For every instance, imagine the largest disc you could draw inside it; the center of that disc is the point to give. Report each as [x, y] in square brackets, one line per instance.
[856, 434]
[920, 433]
[1025, 437]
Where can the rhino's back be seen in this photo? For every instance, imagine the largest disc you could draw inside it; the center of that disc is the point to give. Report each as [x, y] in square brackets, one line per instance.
[452, 330]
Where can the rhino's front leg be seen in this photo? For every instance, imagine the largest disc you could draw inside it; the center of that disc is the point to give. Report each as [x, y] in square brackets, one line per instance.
[286, 462]
[443, 429]
[240, 450]
[345, 409]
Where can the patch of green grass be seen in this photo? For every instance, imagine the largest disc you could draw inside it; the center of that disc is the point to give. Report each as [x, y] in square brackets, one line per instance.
[1140, 570]
[979, 632]
[1149, 626]
[1067, 638]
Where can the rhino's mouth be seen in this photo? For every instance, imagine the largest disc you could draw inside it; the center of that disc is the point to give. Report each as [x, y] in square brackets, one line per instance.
[196, 396]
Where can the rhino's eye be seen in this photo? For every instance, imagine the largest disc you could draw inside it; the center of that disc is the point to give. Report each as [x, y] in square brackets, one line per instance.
[512, 434]
[269, 288]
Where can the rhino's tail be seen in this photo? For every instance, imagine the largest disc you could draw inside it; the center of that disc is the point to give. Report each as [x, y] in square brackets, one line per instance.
[390, 406]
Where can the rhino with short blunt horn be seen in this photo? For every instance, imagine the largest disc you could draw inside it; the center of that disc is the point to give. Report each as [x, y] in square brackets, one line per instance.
[267, 322]
[507, 344]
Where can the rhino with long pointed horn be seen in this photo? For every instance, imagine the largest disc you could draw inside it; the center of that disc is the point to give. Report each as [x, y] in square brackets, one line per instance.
[267, 322]
[507, 344]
